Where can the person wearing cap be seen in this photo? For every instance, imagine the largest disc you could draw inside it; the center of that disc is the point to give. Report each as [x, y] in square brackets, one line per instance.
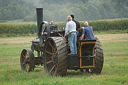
[87, 32]
[70, 32]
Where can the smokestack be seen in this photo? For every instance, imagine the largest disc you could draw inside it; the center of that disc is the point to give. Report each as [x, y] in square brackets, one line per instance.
[39, 12]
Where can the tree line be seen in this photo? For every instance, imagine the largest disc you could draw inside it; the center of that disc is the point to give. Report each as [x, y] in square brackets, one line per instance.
[15, 9]
[58, 10]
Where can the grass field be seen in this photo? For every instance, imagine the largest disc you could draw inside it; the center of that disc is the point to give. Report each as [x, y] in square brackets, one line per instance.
[115, 69]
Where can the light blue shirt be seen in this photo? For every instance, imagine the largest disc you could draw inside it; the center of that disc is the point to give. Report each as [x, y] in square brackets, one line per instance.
[70, 27]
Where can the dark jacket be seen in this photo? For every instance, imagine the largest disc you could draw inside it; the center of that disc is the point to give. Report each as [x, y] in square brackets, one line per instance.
[77, 24]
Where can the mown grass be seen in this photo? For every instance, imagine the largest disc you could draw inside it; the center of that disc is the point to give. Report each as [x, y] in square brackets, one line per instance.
[115, 69]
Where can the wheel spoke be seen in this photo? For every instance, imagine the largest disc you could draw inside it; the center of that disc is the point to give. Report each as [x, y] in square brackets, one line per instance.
[24, 56]
[52, 46]
[27, 54]
[52, 68]
[49, 52]
[55, 70]
[49, 62]
[27, 60]
[27, 67]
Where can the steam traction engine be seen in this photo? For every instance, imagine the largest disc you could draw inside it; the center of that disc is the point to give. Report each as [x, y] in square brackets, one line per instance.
[52, 52]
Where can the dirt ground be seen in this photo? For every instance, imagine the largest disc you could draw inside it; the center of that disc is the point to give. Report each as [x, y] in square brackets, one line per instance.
[112, 36]
[16, 40]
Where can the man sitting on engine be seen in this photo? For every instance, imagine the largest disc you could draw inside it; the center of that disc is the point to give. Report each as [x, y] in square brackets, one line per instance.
[87, 32]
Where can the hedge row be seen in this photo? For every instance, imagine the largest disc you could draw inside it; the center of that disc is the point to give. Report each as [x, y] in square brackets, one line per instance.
[109, 25]
[18, 29]
[21, 29]
[105, 25]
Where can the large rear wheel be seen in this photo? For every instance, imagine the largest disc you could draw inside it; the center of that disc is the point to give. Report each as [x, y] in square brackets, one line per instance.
[55, 56]
[99, 58]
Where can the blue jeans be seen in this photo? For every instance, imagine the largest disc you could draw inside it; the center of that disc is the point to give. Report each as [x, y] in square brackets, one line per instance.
[72, 39]
[77, 33]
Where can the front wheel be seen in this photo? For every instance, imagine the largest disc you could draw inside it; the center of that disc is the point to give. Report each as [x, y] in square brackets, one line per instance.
[27, 60]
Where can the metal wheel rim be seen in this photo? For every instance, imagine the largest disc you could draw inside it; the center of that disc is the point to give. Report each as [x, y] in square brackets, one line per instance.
[25, 61]
[50, 54]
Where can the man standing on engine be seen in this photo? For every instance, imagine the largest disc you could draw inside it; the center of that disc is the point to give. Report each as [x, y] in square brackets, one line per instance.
[70, 31]
[77, 25]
